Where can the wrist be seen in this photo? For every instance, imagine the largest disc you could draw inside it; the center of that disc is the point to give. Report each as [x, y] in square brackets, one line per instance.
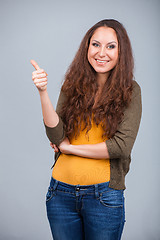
[42, 92]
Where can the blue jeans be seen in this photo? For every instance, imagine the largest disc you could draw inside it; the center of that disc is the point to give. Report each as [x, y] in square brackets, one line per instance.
[90, 212]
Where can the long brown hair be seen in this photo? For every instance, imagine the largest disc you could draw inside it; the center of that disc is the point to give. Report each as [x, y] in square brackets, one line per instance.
[80, 87]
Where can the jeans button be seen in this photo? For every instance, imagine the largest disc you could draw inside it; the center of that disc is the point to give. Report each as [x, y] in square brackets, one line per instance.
[77, 189]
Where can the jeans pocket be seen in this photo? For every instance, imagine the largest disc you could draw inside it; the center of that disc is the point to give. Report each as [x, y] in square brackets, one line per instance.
[112, 198]
[50, 194]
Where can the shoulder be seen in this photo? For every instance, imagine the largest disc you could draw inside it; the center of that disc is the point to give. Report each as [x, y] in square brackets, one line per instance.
[132, 113]
[136, 101]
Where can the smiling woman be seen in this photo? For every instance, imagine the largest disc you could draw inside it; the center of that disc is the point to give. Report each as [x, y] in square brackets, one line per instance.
[103, 52]
[92, 132]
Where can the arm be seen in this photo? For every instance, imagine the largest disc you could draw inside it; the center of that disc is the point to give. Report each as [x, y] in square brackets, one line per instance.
[120, 145]
[97, 151]
[50, 117]
[39, 78]
[57, 134]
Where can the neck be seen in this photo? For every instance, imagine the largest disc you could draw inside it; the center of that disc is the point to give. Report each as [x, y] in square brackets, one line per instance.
[101, 79]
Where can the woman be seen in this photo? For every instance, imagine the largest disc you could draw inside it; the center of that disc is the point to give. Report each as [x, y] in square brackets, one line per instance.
[92, 132]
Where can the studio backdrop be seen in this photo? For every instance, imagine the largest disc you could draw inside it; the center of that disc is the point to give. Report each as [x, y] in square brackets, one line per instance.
[50, 33]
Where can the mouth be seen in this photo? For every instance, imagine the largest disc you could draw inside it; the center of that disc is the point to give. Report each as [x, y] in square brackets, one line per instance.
[102, 62]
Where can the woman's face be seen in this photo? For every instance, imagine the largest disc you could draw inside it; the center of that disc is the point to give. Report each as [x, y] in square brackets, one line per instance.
[103, 50]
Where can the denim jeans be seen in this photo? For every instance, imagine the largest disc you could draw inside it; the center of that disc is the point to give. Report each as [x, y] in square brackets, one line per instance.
[90, 212]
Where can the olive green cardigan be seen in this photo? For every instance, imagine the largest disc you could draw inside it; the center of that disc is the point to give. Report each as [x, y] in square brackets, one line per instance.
[119, 146]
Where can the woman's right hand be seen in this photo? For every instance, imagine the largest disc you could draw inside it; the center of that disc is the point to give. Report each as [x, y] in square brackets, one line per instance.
[39, 77]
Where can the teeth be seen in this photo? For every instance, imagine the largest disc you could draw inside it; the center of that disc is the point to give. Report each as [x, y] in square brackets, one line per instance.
[101, 61]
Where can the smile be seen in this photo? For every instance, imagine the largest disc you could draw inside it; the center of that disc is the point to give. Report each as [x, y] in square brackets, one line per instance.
[101, 62]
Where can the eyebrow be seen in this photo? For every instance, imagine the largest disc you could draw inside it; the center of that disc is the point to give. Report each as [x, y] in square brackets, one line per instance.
[107, 43]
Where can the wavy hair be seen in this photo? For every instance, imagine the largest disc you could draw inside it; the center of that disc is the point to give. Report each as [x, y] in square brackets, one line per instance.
[80, 86]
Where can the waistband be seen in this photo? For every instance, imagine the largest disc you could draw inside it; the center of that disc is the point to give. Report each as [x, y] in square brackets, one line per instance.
[95, 188]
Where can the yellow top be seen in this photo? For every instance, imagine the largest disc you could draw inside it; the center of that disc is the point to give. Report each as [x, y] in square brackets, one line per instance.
[75, 170]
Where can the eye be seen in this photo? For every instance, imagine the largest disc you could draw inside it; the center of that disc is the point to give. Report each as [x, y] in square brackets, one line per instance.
[112, 46]
[95, 44]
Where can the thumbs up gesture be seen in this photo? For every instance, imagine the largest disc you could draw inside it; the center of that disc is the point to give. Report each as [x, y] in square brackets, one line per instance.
[39, 77]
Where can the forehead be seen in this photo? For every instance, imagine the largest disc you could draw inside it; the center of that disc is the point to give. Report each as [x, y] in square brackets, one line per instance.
[104, 34]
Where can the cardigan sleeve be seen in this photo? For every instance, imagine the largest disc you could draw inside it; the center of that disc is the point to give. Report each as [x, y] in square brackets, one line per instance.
[120, 145]
[57, 134]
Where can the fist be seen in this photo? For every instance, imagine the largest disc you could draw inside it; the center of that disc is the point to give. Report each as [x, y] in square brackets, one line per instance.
[39, 77]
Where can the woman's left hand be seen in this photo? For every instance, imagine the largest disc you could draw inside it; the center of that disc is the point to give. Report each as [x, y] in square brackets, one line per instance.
[95, 151]
[54, 146]
[63, 147]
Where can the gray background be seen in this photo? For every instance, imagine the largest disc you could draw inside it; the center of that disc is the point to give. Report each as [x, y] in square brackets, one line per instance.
[50, 32]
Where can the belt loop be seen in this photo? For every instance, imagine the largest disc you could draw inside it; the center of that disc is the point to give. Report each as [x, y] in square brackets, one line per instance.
[96, 191]
[55, 185]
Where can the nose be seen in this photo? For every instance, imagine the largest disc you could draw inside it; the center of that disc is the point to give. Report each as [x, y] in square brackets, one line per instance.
[102, 52]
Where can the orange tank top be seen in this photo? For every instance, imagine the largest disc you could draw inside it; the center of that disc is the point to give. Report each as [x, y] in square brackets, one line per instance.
[75, 170]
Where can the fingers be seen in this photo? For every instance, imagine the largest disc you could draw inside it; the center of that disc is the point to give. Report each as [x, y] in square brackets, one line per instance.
[41, 86]
[39, 76]
[35, 65]
[39, 71]
[43, 80]
[54, 147]
[39, 79]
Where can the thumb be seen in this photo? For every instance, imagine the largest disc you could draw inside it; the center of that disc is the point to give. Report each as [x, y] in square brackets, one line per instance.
[34, 64]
